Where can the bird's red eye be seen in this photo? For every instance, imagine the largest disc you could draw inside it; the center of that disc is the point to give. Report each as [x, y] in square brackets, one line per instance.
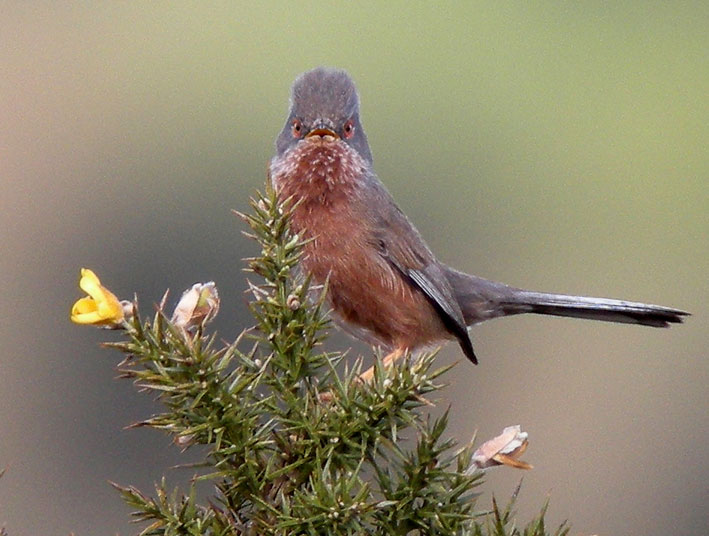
[297, 128]
[349, 129]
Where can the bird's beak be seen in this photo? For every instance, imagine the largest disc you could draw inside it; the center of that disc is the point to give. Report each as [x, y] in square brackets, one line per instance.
[322, 132]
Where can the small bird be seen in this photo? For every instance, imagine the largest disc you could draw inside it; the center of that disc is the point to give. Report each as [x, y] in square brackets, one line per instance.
[384, 284]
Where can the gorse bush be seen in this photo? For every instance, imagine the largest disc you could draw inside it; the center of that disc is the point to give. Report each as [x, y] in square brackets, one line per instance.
[294, 442]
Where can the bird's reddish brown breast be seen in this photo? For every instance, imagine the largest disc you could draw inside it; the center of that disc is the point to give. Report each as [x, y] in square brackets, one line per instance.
[324, 178]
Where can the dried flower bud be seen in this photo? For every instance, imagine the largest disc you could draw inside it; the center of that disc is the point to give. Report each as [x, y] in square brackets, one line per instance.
[504, 449]
[293, 302]
[127, 307]
[184, 441]
[197, 306]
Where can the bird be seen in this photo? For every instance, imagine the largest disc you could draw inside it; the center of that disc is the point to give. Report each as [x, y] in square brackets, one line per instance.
[383, 283]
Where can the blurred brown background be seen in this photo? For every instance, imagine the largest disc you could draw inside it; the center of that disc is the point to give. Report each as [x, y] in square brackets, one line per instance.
[557, 147]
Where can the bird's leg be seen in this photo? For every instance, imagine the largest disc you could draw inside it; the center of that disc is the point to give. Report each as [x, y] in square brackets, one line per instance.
[387, 362]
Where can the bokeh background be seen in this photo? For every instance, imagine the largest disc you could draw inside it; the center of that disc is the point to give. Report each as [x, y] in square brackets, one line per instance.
[555, 146]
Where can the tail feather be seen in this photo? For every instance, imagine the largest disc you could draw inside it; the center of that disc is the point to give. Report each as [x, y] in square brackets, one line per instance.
[481, 299]
[595, 309]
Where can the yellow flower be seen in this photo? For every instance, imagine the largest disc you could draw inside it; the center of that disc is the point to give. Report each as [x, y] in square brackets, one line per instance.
[100, 307]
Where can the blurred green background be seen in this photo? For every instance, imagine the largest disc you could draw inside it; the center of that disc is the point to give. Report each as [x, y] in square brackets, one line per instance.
[552, 145]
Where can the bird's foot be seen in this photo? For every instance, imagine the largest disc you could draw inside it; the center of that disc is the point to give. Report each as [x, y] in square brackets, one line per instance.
[326, 397]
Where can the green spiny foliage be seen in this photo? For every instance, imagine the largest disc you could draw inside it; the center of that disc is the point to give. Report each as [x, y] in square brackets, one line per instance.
[284, 461]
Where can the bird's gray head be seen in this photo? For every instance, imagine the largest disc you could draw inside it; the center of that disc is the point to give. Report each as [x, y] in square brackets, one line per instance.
[324, 102]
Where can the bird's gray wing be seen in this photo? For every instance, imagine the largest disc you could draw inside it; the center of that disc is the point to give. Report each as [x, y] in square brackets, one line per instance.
[398, 241]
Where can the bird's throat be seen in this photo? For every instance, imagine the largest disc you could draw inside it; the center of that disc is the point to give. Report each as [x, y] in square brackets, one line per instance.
[318, 171]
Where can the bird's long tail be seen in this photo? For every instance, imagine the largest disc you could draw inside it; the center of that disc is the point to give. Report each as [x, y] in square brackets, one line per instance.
[481, 299]
[594, 309]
